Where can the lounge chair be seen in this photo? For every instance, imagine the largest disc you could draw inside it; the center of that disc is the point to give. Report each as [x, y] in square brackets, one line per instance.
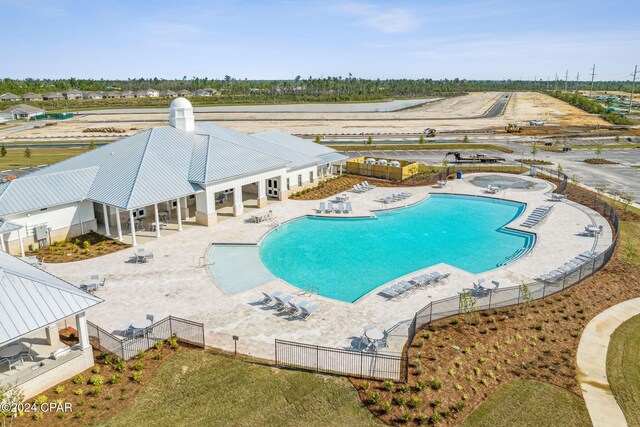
[281, 302]
[444, 277]
[321, 207]
[496, 284]
[306, 312]
[389, 293]
[408, 286]
[441, 184]
[479, 282]
[268, 299]
[294, 309]
[330, 207]
[399, 289]
[133, 332]
[97, 278]
[357, 189]
[369, 186]
[348, 208]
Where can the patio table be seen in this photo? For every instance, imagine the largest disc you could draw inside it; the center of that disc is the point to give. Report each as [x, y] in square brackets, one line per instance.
[374, 334]
[154, 225]
[11, 350]
[593, 229]
[164, 216]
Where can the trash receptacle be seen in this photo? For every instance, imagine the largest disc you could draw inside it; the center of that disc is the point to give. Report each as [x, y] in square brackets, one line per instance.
[459, 175]
[534, 171]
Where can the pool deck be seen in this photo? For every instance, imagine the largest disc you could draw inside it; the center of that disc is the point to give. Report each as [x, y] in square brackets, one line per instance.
[176, 284]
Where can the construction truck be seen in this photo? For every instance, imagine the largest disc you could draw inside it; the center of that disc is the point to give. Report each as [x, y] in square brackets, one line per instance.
[513, 128]
[430, 132]
[477, 158]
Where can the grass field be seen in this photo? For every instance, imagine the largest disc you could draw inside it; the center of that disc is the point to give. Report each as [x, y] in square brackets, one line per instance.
[623, 369]
[588, 147]
[525, 403]
[200, 388]
[426, 146]
[39, 156]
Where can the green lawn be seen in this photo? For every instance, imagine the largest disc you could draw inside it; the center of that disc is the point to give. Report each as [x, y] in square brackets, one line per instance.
[526, 403]
[425, 146]
[623, 369]
[39, 156]
[200, 388]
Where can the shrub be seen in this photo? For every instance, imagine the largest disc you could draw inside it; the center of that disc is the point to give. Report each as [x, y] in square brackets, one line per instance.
[458, 407]
[458, 387]
[427, 335]
[37, 416]
[79, 414]
[115, 379]
[137, 377]
[403, 388]
[420, 343]
[60, 415]
[60, 389]
[120, 365]
[96, 369]
[40, 399]
[364, 385]
[158, 356]
[96, 380]
[173, 343]
[94, 405]
[446, 413]
[420, 385]
[158, 345]
[421, 419]
[137, 366]
[386, 407]
[414, 402]
[387, 385]
[78, 379]
[451, 372]
[375, 398]
[95, 390]
[435, 419]
[419, 370]
[400, 401]
[78, 392]
[109, 396]
[436, 384]
[139, 354]
[406, 416]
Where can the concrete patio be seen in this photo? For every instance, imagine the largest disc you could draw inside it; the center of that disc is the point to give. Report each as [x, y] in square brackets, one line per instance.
[179, 281]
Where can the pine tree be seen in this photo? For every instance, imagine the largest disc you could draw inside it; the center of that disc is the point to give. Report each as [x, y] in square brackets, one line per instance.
[3, 151]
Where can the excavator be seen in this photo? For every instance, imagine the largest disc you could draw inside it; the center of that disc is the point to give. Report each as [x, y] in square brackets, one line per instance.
[430, 132]
[513, 128]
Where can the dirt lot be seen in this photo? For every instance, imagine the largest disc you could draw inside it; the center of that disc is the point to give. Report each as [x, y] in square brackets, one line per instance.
[447, 115]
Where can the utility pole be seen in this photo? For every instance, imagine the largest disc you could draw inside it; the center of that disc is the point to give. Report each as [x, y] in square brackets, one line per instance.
[593, 74]
[547, 83]
[577, 80]
[633, 86]
[566, 80]
[555, 83]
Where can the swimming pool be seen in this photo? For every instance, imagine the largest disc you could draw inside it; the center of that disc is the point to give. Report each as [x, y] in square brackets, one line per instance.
[346, 258]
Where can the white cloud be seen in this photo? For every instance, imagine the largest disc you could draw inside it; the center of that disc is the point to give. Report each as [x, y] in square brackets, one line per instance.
[386, 20]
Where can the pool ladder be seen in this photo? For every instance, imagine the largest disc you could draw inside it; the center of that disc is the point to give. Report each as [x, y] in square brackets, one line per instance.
[311, 290]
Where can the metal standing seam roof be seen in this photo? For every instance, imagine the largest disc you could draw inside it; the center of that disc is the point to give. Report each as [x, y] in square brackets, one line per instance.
[295, 159]
[31, 299]
[217, 159]
[40, 191]
[294, 143]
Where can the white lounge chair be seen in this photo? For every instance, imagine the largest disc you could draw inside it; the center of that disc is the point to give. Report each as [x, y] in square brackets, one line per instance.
[281, 302]
[268, 299]
[321, 207]
[369, 186]
[306, 312]
[358, 189]
[389, 293]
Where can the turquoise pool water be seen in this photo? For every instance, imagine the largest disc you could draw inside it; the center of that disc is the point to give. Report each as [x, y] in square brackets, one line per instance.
[347, 258]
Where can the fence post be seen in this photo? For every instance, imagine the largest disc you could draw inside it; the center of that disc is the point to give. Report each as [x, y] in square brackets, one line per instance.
[317, 358]
[430, 312]
[519, 294]
[276, 345]
[544, 288]
[490, 296]
[170, 327]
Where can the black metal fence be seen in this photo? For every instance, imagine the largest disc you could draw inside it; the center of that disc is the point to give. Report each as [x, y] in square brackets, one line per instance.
[395, 367]
[186, 331]
[338, 361]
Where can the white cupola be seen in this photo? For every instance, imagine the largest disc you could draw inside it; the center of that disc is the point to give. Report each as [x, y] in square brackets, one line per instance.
[181, 115]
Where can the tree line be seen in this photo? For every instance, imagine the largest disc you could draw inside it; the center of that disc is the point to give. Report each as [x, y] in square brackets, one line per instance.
[590, 106]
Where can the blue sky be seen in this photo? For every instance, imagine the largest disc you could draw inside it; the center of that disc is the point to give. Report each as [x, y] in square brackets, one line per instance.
[473, 39]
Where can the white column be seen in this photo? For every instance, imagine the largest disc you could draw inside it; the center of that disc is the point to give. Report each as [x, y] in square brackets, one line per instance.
[238, 207]
[155, 211]
[262, 193]
[21, 244]
[4, 249]
[185, 206]
[133, 229]
[179, 212]
[83, 332]
[118, 224]
[283, 194]
[105, 211]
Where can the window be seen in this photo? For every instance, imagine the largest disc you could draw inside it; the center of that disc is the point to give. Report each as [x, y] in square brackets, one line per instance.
[139, 213]
[288, 186]
[311, 176]
[300, 180]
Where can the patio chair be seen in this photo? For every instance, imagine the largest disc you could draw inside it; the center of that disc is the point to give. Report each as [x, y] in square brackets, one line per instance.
[321, 207]
[89, 287]
[11, 362]
[444, 277]
[340, 208]
[478, 283]
[24, 354]
[348, 207]
[383, 342]
[97, 278]
[496, 284]
[132, 332]
[150, 318]
[364, 343]
[268, 299]
[329, 207]
[306, 312]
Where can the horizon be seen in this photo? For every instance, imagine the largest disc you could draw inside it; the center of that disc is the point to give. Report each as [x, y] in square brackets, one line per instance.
[275, 40]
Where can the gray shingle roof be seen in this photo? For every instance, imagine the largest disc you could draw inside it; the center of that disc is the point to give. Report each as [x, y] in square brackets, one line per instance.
[24, 107]
[40, 191]
[8, 96]
[31, 299]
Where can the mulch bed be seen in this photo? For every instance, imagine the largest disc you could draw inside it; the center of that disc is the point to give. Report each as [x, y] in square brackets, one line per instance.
[538, 342]
[79, 248]
[534, 162]
[340, 184]
[600, 162]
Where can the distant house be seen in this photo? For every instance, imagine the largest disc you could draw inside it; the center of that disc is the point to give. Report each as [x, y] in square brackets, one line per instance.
[9, 97]
[168, 93]
[210, 91]
[21, 111]
[92, 95]
[127, 94]
[35, 304]
[52, 96]
[184, 92]
[30, 96]
[113, 94]
[201, 92]
[72, 94]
